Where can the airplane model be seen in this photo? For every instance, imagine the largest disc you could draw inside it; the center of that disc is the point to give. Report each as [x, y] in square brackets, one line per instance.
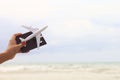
[36, 33]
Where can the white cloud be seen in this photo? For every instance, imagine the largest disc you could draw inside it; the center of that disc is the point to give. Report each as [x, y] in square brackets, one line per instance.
[88, 8]
[73, 19]
[68, 19]
[24, 9]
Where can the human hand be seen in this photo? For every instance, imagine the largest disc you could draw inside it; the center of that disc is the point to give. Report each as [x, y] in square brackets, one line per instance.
[14, 48]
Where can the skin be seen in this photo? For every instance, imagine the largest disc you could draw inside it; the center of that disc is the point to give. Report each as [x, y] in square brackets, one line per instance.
[12, 49]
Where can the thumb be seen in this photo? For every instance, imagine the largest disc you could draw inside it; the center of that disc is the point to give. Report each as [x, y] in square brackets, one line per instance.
[21, 44]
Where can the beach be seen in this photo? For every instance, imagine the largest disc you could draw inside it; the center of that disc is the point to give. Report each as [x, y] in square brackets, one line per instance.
[60, 72]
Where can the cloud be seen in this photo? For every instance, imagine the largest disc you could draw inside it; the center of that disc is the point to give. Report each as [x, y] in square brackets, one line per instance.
[74, 18]
[87, 8]
[23, 10]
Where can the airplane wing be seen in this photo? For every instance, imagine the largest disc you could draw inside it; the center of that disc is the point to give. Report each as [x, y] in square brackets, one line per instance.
[38, 40]
[30, 28]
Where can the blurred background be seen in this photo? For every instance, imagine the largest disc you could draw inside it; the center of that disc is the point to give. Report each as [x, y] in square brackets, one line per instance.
[78, 30]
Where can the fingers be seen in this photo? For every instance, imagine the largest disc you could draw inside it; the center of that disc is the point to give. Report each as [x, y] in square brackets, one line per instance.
[15, 35]
[24, 43]
[21, 44]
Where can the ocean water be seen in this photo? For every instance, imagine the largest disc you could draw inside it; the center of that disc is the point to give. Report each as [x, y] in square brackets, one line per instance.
[82, 71]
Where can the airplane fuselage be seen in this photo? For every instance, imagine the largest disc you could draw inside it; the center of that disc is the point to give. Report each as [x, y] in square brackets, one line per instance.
[35, 34]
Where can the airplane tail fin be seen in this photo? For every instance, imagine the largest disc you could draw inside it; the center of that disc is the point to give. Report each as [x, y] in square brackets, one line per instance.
[22, 39]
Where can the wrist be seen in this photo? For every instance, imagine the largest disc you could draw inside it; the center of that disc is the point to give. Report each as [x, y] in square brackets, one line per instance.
[7, 54]
[4, 57]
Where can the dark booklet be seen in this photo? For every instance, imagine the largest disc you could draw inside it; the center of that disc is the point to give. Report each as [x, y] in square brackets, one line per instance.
[30, 44]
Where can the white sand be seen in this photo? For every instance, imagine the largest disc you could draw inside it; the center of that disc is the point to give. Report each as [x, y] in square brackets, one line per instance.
[69, 72]
[58, 76]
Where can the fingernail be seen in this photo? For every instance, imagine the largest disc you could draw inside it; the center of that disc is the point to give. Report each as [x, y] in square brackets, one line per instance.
[24, 43]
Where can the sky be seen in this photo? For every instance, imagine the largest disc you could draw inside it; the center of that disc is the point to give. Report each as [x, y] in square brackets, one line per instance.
[78, 30]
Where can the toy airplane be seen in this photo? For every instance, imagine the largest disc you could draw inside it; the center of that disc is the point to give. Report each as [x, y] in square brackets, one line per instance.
[36, 33]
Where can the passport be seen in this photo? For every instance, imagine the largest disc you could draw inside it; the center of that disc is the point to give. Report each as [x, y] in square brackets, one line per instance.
[30, 44]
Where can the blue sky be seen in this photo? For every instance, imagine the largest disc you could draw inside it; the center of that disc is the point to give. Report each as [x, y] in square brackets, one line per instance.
[79, 30]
